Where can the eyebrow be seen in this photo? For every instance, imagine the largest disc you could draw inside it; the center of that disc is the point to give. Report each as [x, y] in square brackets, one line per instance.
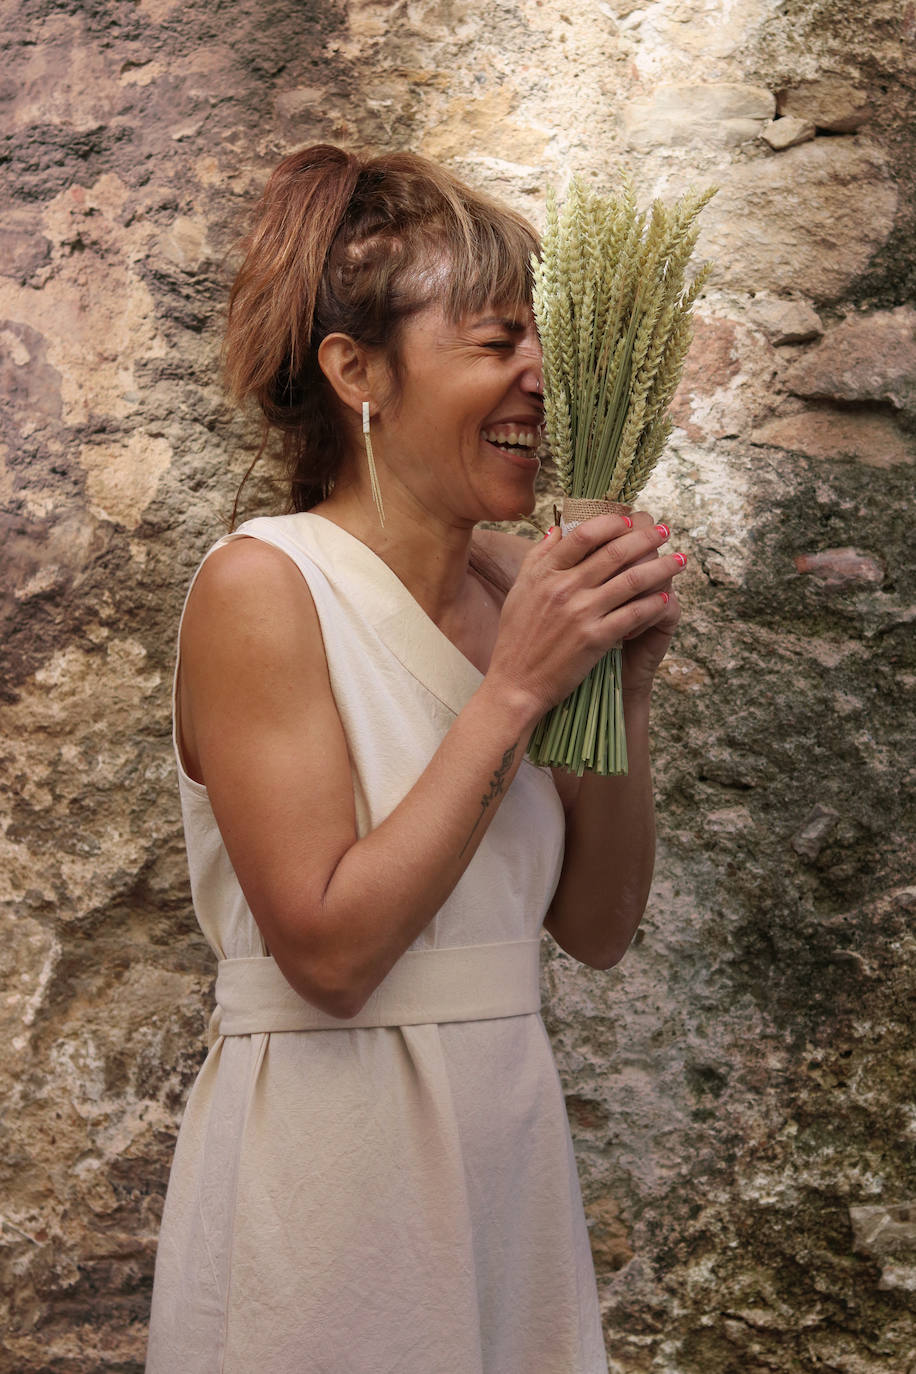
[512, 326]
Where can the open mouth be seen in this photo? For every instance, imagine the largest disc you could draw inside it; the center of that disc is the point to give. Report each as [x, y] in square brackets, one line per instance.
[515, 443]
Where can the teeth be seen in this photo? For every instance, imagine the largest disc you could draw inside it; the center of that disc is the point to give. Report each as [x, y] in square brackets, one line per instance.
[516, 438]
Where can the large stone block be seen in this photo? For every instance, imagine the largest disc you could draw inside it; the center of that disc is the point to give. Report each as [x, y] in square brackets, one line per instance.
[785, 321]
[727, 383]
[828, 102]
[681, 113]
[874, 440]
[807, 221]
[865, 358]
[787, 133]
[842, 567]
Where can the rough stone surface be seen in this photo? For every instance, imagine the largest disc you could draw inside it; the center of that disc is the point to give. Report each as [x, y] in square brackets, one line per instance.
[787, 132]
[785, 321]
[740, 1087]
[875, 440]
[810, 839]
[828, 102]
[864, 358]
[838, 567]
[888, 1234]
[808, 221]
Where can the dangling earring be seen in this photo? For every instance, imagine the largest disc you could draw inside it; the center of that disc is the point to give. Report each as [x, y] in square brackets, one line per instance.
[373, 475]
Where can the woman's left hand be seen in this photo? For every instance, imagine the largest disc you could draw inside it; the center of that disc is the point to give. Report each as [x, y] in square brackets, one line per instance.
[644, 651]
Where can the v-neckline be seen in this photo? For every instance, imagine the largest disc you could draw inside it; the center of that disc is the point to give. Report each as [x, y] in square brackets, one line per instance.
[415, 639]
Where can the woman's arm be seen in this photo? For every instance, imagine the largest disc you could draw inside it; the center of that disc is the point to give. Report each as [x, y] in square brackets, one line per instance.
[610, 853]
[610, 822]
[261, 729]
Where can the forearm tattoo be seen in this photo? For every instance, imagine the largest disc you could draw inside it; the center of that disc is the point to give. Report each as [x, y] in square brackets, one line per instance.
[496, 788]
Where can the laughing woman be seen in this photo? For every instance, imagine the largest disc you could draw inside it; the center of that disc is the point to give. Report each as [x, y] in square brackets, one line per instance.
[374, 1174]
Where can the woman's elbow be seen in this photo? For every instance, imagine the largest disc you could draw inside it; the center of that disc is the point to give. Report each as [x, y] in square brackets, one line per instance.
[593, 943]
[337, 984]
[334, 991]
[601, 956]
[342, 1003]
[320, 970]
[607, 958]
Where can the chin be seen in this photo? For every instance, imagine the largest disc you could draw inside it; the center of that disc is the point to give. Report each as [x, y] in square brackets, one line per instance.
[509, 506]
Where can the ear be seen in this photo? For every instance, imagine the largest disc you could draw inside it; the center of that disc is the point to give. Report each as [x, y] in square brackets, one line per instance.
[349, 369]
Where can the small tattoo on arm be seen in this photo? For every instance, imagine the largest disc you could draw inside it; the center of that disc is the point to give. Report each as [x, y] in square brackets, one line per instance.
[496, 788]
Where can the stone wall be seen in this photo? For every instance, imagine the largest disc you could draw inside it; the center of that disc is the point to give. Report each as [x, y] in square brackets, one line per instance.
[741, 1087]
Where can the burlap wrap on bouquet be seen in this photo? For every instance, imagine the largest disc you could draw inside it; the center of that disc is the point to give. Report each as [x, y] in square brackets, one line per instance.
[575, 511]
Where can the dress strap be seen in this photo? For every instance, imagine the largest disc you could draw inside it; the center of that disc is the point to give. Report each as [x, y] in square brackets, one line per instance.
[461, 983]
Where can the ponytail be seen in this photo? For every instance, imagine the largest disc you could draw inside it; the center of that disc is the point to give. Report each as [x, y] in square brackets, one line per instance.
[272, 302]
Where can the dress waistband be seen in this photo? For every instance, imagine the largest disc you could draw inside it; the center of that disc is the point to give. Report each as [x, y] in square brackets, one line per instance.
[460, 983]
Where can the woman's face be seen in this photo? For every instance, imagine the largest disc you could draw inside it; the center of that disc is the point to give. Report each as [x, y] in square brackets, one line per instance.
[464, 429]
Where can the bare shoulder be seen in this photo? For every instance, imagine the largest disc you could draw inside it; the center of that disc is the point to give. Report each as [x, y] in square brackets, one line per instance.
[250, 601]
[244, 567]
[247, 577]
[507, 550]
[252, 653]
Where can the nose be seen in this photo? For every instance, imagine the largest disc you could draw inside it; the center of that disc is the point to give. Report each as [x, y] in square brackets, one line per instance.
[532, 379]
[533, 384]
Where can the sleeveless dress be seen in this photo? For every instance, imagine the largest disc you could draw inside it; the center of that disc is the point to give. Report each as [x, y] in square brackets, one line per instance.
[379, 1198]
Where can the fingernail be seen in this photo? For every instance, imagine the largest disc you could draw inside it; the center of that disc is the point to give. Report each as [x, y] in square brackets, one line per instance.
[550, 532]
[663, 531]
[627, 521]
[664, 597]
[681, 558]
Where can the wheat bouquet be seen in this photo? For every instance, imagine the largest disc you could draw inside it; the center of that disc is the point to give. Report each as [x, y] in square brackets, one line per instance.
[613, 308]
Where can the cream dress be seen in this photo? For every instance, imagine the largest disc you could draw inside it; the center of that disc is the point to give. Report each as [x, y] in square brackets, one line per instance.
[396, 1194]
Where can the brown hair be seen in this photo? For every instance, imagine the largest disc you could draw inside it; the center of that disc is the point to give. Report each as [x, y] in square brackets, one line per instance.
[343, 244]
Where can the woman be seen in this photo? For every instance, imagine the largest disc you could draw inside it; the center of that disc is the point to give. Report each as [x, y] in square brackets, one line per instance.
[374, 1174]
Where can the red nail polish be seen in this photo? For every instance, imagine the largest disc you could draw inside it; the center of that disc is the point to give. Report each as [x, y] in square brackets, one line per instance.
[681, 558]
[665, 597]
[627, 521]
[663, 531]
[550, 532]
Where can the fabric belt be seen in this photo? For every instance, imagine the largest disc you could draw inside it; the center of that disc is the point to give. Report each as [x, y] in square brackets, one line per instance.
[464, 983]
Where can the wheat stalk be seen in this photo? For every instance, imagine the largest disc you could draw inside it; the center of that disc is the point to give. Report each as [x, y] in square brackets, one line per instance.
[614, 312]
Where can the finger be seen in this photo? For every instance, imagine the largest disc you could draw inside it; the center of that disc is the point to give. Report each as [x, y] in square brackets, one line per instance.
[658, 609]
[548, 541]
[578, 543]
[670, 612]
[634, 547]
[637, 580]
[667, 610]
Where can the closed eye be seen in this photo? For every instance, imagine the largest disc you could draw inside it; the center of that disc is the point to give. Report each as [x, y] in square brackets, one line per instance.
[499, 344]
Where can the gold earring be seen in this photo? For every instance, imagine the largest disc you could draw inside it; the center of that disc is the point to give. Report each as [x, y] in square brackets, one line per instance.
[373, 475]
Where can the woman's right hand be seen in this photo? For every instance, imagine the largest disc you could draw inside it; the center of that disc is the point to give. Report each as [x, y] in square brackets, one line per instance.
[575, 597]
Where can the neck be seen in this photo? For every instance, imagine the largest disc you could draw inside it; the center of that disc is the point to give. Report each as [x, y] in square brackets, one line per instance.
[428, 552]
